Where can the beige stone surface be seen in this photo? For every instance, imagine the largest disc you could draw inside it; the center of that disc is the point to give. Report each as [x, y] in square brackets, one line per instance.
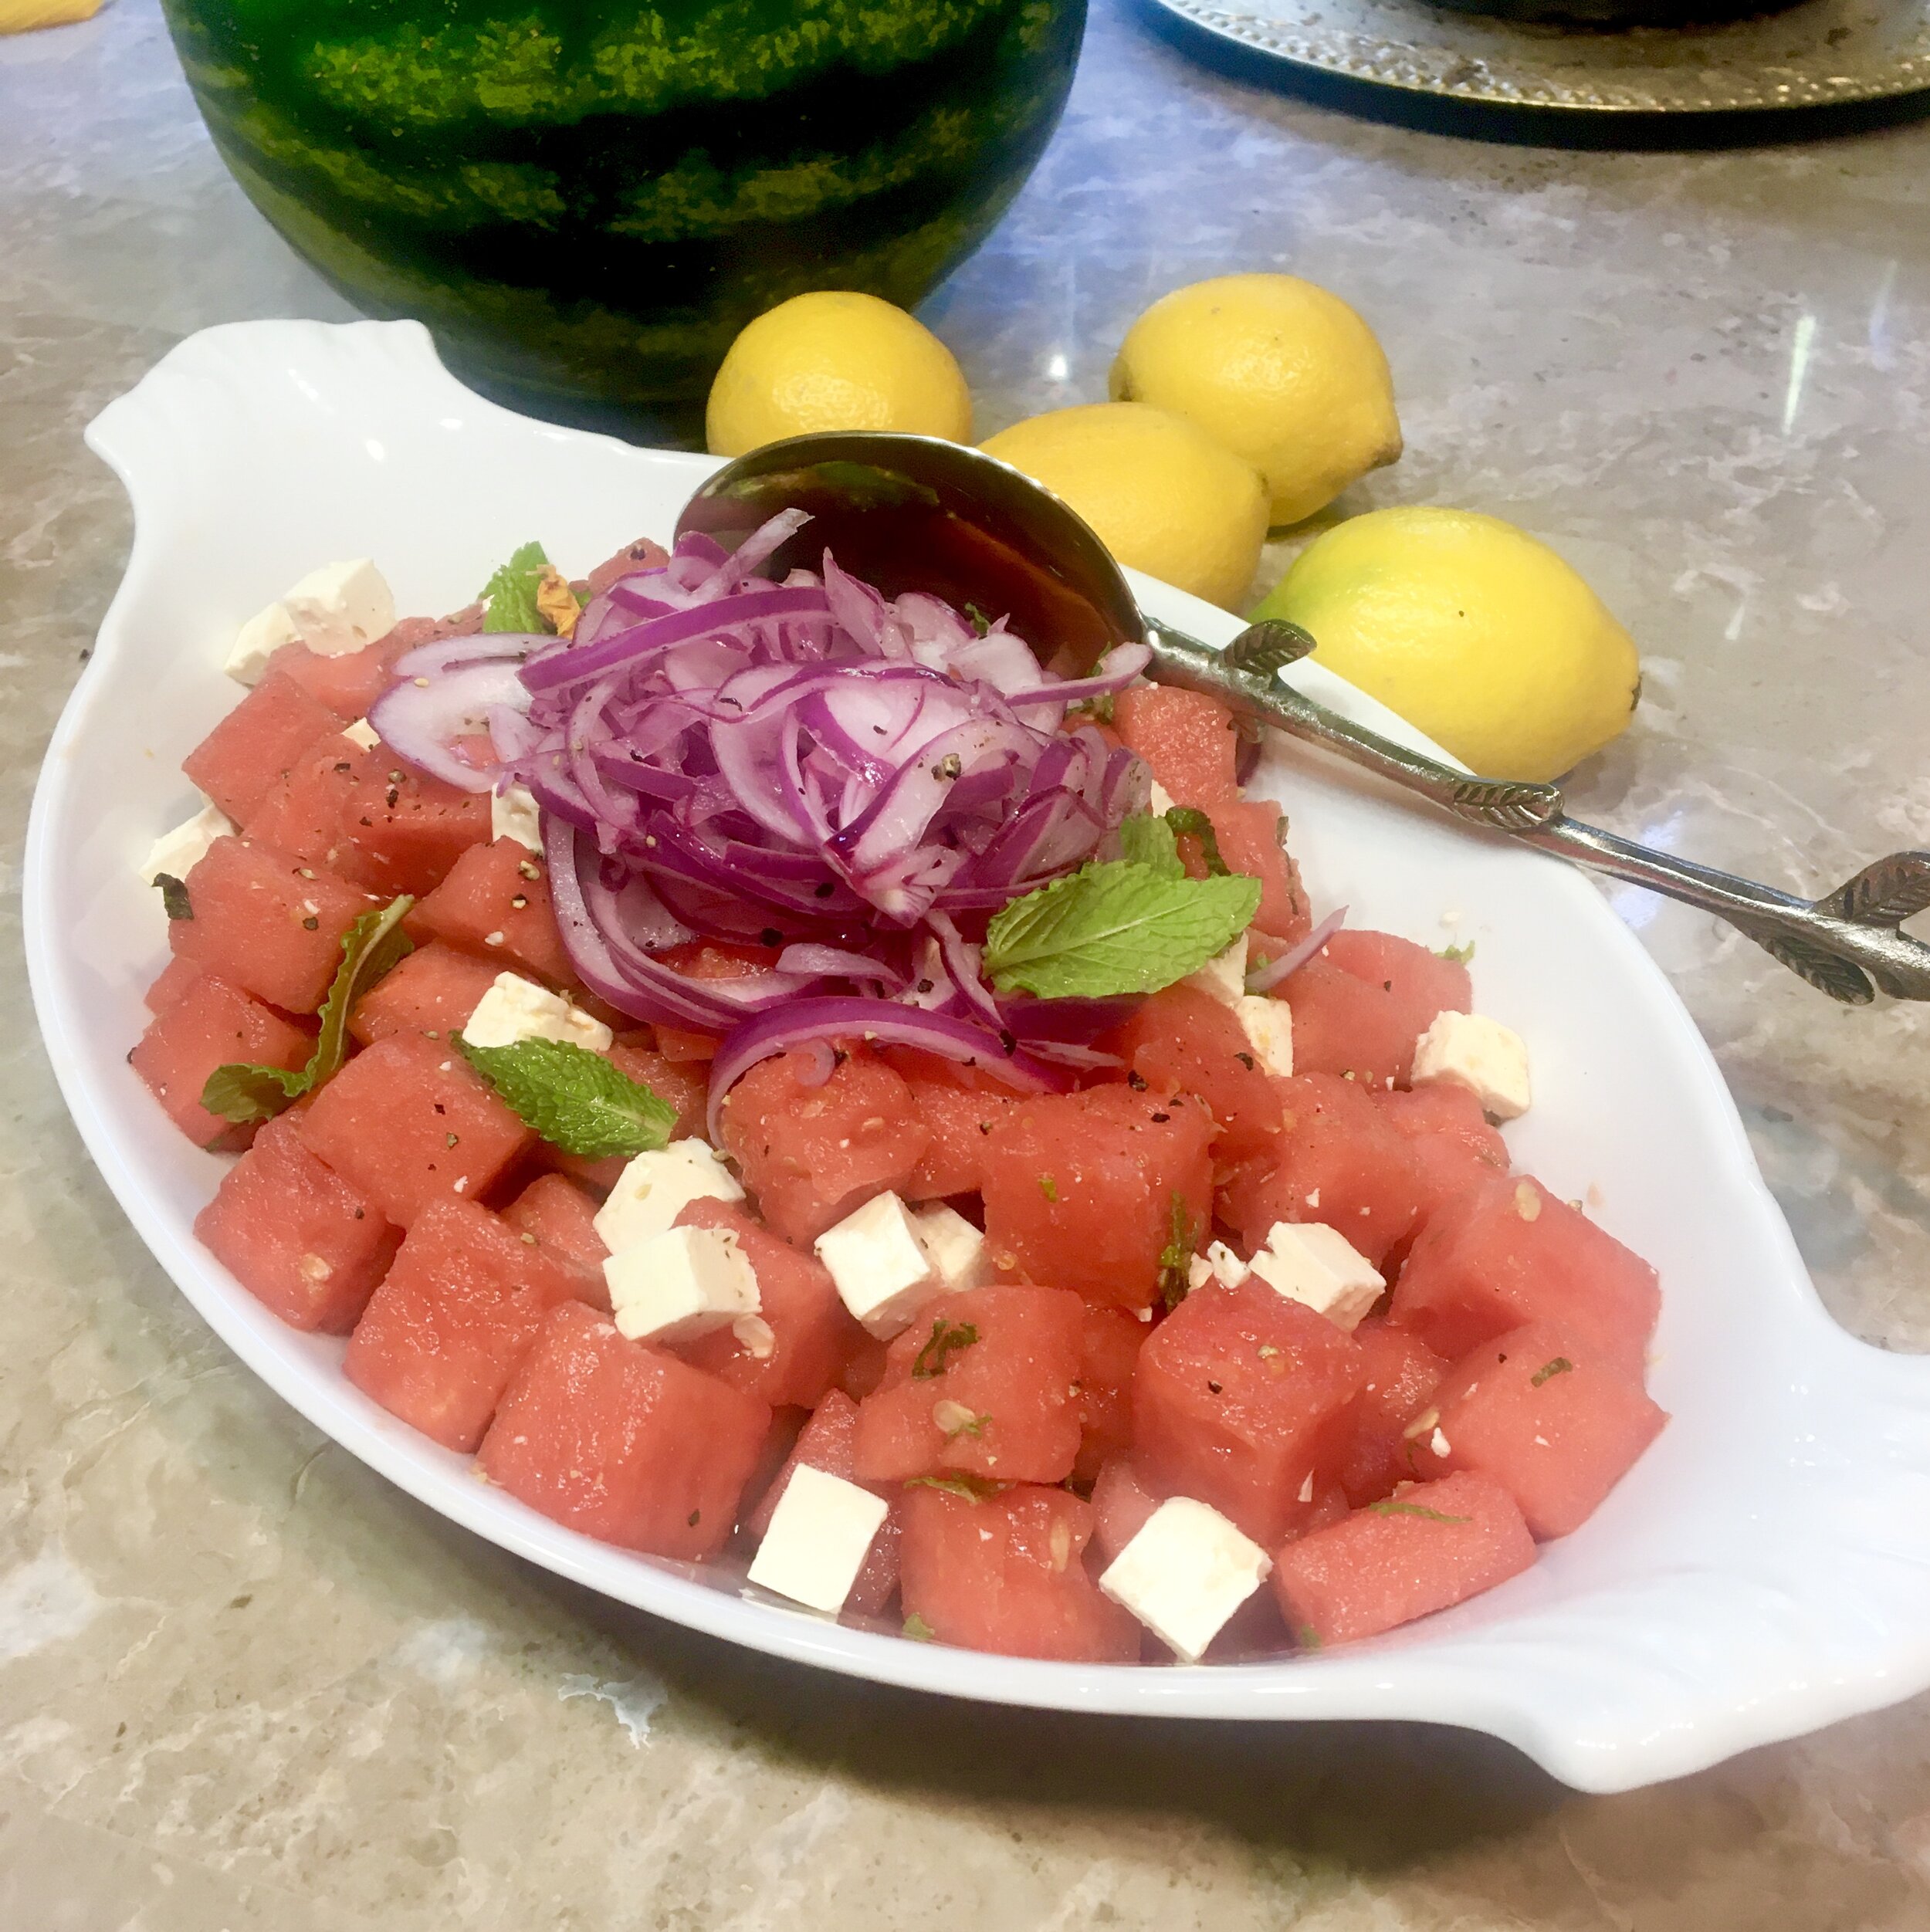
[245, 1685]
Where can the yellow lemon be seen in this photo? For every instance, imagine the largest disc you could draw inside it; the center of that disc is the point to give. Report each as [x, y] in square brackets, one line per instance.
[1470, 629]
[834, 359]
[1281, 371]
[1163, 496]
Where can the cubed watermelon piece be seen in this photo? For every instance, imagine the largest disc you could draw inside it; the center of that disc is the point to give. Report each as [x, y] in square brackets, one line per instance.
[1188, 739]
[1433, 1545]
[256, 743]
[1453, 1145]
[1109, 1343]
[1361, 1004]
[457, 1311]
[1403, 1374]
[863, 1368]
[560, 1217]
[434, 990]
[347, 683]
[825, 1442]
[409, 1123]
[959, 1106]
[266, 921]
[169, 983]
[1508, 1253]
[1248, 833]
[624, 1442]
[1556, 1426]
[1122, 1507]
[296, 1235]
[495, 902]
[642, 555]
[1007, 1574]
[806, 1332]
[211, 1024]
[1247, 1401]
[1340, 1163]
[1089, 1190]
[1184, 1040]
[810, 1153]
[983, 1381]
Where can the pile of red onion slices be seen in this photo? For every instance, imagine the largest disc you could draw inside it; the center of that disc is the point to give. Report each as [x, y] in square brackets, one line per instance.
[804, 766]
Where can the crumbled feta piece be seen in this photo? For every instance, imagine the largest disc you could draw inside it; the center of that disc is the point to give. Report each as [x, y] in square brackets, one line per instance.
[339, 608]
[1199, 1272]
[1159, 802]
[820, 1533]
[1224, 977]
[755, 1336]
[1219, 1263]
[1268, 1024]
[956, 1249]
[363, 733]
[1469, 1050]
[515, 1009]
[883, 1273]
[178, 852]
[256, 642]
[1310, 1262]
[513, 814]
[1185, 1573]
[656, 1187]
[678, 1286]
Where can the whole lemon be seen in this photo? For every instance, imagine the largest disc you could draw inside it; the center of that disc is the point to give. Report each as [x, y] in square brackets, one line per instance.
[1163, 496]
[1471, 629]
[834, 359]
[1282, 372]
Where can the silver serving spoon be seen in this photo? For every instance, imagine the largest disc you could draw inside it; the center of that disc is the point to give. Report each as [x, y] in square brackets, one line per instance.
[912, 512]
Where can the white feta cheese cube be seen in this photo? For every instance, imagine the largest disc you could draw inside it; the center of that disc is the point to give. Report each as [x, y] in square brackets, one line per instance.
[178, 852]
[1308, 1262]
[1185, 1573]
[820, 1533]
[956, 1250]
[515, 1009]
[256, 642]
[656, 1187]
[363, 733]
[1224, 977]
[1469, 1050]
[513, 813]
[1268, 1027]
[341, 608]
[678, 1286]
[883, 1273]
[1160, 801]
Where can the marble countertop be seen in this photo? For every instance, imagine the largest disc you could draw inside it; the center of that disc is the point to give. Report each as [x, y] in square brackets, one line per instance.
[244, 1684]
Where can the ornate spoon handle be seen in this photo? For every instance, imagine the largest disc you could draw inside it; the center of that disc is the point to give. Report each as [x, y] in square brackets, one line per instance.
[1848, 943]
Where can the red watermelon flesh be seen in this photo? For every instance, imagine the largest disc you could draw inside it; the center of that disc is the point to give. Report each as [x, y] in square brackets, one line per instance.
[999, 1403]
[1508, 1253]
[642, 555]
[494, 901]
[1246, 1401]
[1186, 738]
[810, 1332]
[1110, 1340]
[1454, 1147]
[623, 1442]
[1361, 1004]
[433, 991]
[958, 1107]
[1085, 1190]
[210, 1025]
[407, 1123]
[169, 983]
[256, 743]
[1556, 1427]
[348, 684]
[1008, 1574]
[1248, 834]
[811, 1153]
[1183, 1040]
[266, 921]
[296, 1235]
[1432, 1546]
[826, 1443]
[1340, 1163]
[1122, 1507]
[561, 1218]
[683, 1086]
[1403, 1374]
[458, 1310]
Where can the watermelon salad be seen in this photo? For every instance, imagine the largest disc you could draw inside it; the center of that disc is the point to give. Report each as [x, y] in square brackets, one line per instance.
[788, 1081]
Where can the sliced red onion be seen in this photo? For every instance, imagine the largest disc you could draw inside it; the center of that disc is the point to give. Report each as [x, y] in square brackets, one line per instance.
[837, 962]
[1117, 670]
[564, 665]
[422, 714]
[1268, 977]
[1079, 1022]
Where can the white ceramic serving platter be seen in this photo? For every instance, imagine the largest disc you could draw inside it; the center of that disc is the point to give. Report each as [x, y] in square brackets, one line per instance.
[1766, 1567]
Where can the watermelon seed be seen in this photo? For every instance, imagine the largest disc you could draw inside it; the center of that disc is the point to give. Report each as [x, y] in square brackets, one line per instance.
[1245, 1060]
[1215, 1388]
[692, 1518]
[311, 925]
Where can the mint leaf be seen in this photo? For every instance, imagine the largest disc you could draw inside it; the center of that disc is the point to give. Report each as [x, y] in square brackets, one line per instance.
[575, 1098]
[246, 1094]
[1561, 1365]
[946, 1338]
[1461, 954]
[174, 896]
[1392, 1508]
[1147, 839]
[510, 594]
[1175, 1258]
[1188, 823]
[974, 1489]
[917, 1630]
[1114, 927]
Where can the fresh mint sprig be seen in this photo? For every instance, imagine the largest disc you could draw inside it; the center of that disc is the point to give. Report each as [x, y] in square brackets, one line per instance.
[510, 594]
[575, 1099]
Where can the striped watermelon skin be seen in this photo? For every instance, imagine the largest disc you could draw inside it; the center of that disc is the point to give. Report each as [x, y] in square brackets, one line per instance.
[586, 202]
